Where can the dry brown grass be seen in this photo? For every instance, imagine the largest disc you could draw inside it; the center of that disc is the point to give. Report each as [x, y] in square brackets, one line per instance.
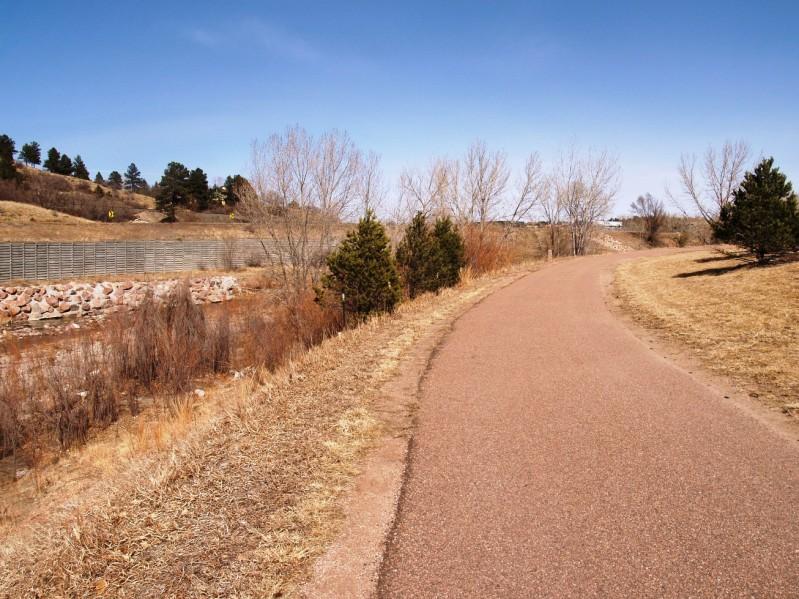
[741, 321]
[16, 213]
[236, 504]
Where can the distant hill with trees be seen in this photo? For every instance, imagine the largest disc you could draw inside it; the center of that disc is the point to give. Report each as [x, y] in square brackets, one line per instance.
[66, 184]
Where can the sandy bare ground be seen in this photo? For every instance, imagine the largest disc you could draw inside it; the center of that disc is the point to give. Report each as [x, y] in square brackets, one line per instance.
[557, 455]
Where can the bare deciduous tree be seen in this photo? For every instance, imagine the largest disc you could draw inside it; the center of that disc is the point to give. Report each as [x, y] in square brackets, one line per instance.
[484, 181]
[301, 187]
[552, 210]
[428, 191]
[709, 191]
[586, 186]
[373, 187]
[652, 214]
[531, 190]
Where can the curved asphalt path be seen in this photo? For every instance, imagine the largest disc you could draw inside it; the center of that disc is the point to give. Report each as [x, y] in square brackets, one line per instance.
[557, 456]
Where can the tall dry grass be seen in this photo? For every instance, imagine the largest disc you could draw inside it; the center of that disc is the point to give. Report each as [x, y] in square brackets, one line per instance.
[53, 403]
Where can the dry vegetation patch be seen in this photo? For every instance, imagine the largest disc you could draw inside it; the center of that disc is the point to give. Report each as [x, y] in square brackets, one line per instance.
[241, 503]
[16, 213]
[742, 321]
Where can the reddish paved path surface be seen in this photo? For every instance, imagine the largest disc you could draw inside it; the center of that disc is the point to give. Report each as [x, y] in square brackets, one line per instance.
[556, 455]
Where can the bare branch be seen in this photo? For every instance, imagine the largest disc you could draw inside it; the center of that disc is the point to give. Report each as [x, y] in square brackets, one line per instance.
[721, 175]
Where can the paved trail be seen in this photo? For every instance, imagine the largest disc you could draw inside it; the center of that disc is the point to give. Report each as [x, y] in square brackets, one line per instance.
[556, 455]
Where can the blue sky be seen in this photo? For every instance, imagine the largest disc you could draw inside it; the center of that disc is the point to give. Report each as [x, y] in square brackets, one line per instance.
[196, 82]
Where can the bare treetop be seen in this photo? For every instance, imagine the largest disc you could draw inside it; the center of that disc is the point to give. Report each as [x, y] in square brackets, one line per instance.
[474, 189]
[711, 189]
[484, 181]
[301, 188]
[428, 191]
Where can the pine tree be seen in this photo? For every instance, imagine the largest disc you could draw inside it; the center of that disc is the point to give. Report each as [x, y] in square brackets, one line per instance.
[31, 153]
[199, 194]
[415, 257]
[53, 161]
[65, 166]
[79, 169]
[449, 254]
[115, 180]
[133, 179]
[430, 259]
[762, 216]
[98, 178]
[172, 189]
[362, 270]
[8, 168]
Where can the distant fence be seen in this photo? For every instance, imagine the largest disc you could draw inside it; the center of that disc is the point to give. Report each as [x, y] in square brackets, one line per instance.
[80, 259]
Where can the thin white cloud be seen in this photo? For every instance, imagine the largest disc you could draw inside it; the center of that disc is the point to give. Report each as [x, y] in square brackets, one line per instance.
[279, 41]
[257, 34]
[202, 37]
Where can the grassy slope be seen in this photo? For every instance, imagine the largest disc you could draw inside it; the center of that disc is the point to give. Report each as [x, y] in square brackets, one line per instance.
[741, 321]
[16, 214]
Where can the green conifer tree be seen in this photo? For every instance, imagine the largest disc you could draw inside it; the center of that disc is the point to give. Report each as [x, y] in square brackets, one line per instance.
[31, 153]
[79, 169]
[8, 168]
[363, 272]
[172, 190]
[53, 162]
[416, 257]
[65, 166]
[115, 180]
[134, 182]
[762, 216]
[197, 188]
[449, 251]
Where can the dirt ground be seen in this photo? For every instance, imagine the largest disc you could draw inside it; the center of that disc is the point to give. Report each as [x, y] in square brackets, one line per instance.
[740, 320]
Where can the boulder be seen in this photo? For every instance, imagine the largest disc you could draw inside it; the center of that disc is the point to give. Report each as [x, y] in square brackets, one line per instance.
[65, 307]
[13, 310]
[51, 300]
[36, 311]
[126, 285]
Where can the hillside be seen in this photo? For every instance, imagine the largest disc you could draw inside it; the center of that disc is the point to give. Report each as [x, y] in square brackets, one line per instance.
[53, 180]
[16, 213]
